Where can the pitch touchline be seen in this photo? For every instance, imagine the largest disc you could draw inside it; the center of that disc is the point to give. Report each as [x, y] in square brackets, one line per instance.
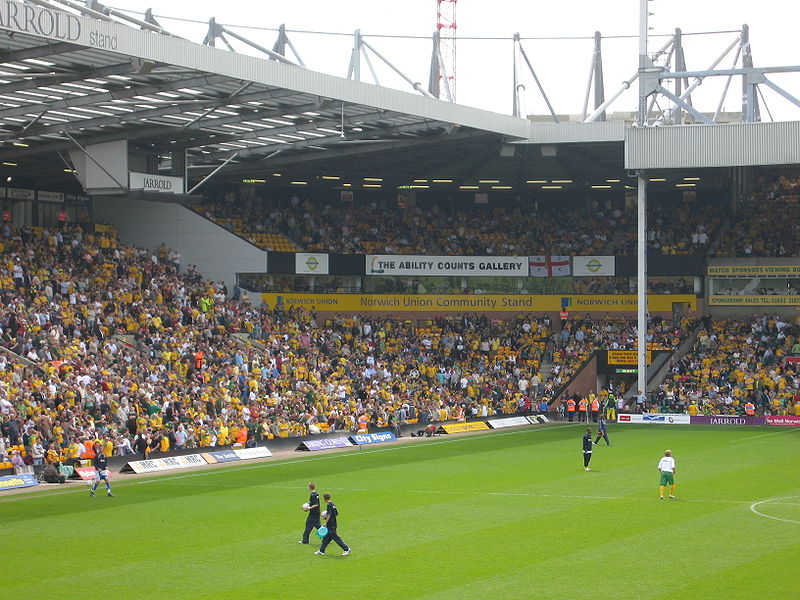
[280, 462]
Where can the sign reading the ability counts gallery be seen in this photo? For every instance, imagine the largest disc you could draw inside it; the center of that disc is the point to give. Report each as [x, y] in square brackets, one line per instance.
[456, 266]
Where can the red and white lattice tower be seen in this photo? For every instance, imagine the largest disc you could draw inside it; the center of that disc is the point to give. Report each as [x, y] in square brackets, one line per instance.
[446, 26]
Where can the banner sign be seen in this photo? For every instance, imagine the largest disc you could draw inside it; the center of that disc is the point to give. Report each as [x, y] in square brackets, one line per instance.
[655, 418]
[549, 266]
[462, 427]
[785, 421]
[221, 456]
[49, 197]
[537, 419]
[474, 302]
[627, 357]
[155, 183]
[447, 266]
[250, 453]
[372, 438]
[727, 420]
[324, 444]
[11, 482]
[310, 264]
[87, 473]
[509, 422]
[753, 270]
[593, 266]
[753, 300]
[164, 464]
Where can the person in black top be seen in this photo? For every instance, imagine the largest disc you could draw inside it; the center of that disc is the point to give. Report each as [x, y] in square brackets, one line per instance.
[602, 432]
[312, 520]
[331, 514]
[100, 464]
[587, 449]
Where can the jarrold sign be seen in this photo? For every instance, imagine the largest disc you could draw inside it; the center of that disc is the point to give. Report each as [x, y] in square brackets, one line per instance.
[155, 183]
[37, 20]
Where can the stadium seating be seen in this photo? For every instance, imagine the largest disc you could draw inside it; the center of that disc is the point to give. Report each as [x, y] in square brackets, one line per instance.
[108, 341]
[731, 362]
[515, 228]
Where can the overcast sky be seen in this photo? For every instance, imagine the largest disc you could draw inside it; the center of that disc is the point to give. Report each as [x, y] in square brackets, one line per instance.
[484, 67]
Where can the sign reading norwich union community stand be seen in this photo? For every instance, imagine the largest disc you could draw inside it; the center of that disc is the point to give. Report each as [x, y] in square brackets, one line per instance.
[477, 302]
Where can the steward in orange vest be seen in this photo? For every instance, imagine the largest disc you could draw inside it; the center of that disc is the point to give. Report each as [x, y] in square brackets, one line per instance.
[570, 408]
[750, 409]
[595, 409]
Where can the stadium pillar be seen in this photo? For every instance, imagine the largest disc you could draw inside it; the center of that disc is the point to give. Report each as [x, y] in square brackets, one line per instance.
[641, 281]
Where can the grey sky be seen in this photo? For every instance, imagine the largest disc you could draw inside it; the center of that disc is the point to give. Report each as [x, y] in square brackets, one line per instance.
[485, 67]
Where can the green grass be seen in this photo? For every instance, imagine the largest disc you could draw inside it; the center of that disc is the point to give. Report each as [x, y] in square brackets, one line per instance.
[502, 515]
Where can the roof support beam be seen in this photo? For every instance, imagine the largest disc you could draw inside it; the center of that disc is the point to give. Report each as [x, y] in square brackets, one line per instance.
[39, 51]
[91, 99]
[59, 78]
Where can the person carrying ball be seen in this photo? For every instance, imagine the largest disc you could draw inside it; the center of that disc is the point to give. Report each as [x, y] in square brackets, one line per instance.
[312, 508]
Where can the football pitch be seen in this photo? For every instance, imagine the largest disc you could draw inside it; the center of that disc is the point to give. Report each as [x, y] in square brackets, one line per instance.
[510, 514]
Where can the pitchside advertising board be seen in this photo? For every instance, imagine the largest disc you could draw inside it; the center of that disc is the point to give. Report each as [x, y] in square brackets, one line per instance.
[363, 439]
[323, 444]
[195, 460]
[11, 482]
[654, 419]
[724, 420]
[462, 427]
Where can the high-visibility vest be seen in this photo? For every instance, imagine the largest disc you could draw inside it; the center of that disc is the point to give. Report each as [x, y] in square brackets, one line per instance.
[750, 408]
[582, 406]
[198, 359]
[571, 405]
[363, 422]
[595, 405]
[564, 314]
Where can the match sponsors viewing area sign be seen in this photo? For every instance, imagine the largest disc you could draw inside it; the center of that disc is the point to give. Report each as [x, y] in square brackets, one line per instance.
[474, 302]
[746, 271]
[323, 444]
[420, 265]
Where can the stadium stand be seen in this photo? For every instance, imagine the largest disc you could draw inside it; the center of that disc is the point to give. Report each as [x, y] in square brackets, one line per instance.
[442, 227]
[103, 340]
[734, 361]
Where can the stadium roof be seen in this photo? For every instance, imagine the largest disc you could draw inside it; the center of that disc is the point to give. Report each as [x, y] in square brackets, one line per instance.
[68, 78]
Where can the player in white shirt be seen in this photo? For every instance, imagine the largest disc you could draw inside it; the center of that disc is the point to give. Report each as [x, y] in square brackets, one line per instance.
[666, 466]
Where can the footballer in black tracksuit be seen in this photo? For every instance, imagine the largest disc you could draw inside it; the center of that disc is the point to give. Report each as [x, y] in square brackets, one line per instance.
[312, 520]
[587, 449]
[332, 535]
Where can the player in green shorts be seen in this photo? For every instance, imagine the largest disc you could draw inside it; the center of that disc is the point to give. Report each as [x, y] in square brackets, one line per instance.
[666, 467]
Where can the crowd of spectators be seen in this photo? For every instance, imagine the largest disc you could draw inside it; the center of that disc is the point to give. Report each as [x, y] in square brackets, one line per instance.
[514, 229]
[766, 221]
[110, 342]
[734, 361]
